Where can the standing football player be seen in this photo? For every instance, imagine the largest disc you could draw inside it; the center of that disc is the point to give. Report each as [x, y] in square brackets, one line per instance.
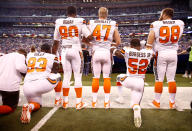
[42, 76]
[69, 31]
[137, 61]
[11, 69]
[165, 34]
[104, 32]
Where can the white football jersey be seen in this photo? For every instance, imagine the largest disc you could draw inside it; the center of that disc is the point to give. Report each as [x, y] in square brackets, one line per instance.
[102, 31]
[39, 65]
[11, 65]
[69, 31]
[137, 61]
[167, 34]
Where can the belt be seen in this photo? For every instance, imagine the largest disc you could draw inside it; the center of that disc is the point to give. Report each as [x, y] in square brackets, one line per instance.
[66, 46]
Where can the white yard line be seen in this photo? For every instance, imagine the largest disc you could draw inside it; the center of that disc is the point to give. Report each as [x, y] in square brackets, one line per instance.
[44, 119]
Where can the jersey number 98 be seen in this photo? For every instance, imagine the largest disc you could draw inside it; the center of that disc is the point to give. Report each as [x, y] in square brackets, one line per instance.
[166, 32]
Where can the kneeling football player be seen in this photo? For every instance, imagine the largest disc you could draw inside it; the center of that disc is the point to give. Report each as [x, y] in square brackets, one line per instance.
[42, 76]
[137, 60]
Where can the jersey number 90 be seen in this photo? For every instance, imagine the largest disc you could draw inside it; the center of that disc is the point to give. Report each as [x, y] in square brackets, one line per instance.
[71, 31]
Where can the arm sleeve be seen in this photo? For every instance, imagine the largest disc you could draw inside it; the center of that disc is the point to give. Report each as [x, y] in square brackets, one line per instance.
[20, 64]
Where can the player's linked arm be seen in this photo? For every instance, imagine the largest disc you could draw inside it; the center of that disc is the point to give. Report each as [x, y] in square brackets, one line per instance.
[55, 68]
[117, 53]
[116, 37]
[55, 47]
[150, 39]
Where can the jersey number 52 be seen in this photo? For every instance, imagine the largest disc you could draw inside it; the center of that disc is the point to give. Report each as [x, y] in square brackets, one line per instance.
[135, 66]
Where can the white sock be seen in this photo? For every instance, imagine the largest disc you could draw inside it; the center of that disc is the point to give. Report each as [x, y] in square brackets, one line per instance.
[94, 97]
[65, 99]
[78, 100]
[57, 95]
[172, 97]
[120, 90]
[107, 95]
[157, 97]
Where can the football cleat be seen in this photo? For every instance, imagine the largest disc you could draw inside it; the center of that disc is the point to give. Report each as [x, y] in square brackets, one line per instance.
[172, 105]
[120, 100]
[107, 105]
[81, 105]
[157, 105]
[26, 114]
[65, 105]
[137, 116]
[189, 76]
[185, 76]
[58, 102]
[94, 104]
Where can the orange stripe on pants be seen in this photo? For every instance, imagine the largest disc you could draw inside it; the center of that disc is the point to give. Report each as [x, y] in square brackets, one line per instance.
[58, 87]
[65, 91]
[95, 85]
[172, 87]
[158, 87]
[78, 92]
[107, 85]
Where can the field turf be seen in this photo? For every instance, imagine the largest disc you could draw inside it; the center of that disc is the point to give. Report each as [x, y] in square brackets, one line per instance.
[105, 120]
[181, 82]
[101, 120]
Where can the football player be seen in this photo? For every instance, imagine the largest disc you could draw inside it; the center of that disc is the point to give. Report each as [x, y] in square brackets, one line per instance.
[69, 31]
[137, 61]
[42, 76]
[104, 32]
[165, 34]
[12, 65]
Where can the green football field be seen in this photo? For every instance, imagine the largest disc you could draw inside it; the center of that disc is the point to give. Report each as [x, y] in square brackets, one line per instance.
[101, 120]
[181, 82]
[115, 119]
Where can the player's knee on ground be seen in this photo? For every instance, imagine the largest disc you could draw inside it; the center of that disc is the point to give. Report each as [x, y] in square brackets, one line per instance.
[5, 109]
[35, 106]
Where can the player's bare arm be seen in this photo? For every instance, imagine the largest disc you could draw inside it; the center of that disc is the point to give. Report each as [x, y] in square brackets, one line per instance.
[55, 47]
[150, 39]
[117, 53]
[116, 37]
[55, 68]
[183, 52]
